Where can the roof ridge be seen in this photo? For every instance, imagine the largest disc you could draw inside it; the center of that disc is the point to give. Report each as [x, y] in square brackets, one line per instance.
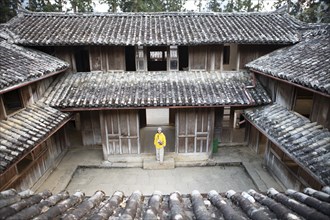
[22, 12]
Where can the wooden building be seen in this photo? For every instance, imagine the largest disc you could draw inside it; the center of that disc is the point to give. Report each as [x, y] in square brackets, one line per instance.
[293, 134]
[175, 61]
[32, 136]
[191, 64]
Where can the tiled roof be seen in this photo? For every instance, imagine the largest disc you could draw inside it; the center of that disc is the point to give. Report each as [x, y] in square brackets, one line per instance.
[142, 89]
[306, 63]
[20, 65]
[305, 141]
[311, 204]
[154, 28]
[24, 130]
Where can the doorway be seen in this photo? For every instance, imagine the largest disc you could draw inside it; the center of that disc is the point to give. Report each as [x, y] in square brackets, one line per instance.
[157, 118]
[81, 56]
[130, 58]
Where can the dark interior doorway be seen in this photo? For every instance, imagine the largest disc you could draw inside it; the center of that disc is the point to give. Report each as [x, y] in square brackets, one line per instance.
[147, 135]
[157, 58]
[130, 58]
[81, 57]
[183, 58]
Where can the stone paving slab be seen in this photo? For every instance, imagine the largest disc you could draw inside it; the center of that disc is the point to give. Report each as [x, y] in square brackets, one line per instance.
[182, 179]
[152, 164]
[60, 178]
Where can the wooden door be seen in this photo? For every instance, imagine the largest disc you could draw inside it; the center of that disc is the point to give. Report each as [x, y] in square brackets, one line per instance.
[120, 132]
[194, 130]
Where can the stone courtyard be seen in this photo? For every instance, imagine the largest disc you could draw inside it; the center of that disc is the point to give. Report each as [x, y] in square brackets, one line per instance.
[237, 168]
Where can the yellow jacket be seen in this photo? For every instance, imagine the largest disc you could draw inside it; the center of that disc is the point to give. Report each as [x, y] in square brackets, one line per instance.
[160, 140]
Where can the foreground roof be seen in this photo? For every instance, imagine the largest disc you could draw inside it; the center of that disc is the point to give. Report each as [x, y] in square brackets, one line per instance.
[19, 65]
[24, 130]
[153, 28]
[306, 63]
[307, 143]
[120, 89]
[311, 204]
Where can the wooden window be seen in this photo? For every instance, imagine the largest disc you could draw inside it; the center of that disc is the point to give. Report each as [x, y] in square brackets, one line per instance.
[140, 58]
[12, 101]
[226, 55]
[174, 58]
[157, 58]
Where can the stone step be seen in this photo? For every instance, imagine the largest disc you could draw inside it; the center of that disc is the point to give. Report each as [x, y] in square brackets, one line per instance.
[152, 164]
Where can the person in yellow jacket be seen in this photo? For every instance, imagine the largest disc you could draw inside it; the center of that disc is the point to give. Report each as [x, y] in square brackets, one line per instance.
[160, 143]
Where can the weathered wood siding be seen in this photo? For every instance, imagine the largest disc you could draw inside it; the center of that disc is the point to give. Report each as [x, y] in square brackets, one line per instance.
[290, 174]
[194, 130]
[26, 95]
[198, 57]
[29, 94]
[107, 58]
[250, 52]
[90, 128]
[67, 54]
[39, 88]
[256, 141]
[32, 167]
[284, 94]
[120, 132]
[3, 114]
[205, 57]
[269, 84]
[321, 110]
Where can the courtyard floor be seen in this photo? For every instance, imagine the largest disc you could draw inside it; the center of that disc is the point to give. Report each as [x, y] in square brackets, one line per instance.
[237, 168]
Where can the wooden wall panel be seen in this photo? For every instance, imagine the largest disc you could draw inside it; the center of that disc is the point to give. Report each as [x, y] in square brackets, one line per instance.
[120, 132]
[3, 114]
[250, 52]
[27, 96]
[90, 128]
[284, 95]
[41, 160]
[197, 57]
[107, 58]
[67, 54]
[39, 88]
[116, 58]
[194, 130]
[253, 138]
[287, 171]
[269, 84]
[321, 110]
[278, 169]
[95, 58]
[217, 56]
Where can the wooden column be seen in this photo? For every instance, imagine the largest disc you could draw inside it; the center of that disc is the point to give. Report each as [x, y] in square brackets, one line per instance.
[3, 114]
